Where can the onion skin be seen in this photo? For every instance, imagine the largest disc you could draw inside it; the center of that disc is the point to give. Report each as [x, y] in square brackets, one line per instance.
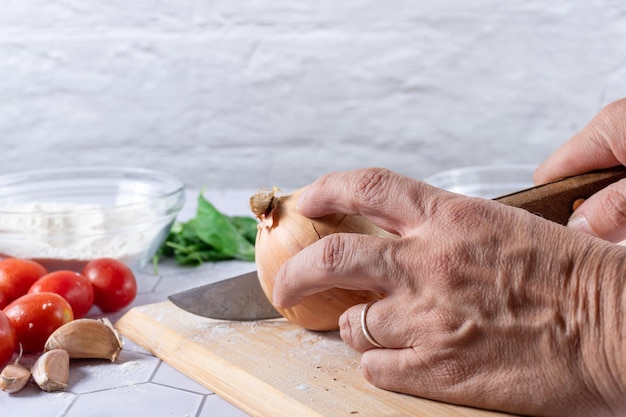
[282, 232]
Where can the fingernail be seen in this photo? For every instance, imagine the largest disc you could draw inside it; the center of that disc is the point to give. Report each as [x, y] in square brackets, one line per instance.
[580, 223]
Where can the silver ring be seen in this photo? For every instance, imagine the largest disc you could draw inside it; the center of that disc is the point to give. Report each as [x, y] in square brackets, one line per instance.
[366, 332]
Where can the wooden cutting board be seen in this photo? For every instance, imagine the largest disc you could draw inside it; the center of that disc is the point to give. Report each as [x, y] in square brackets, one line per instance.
[272, 368]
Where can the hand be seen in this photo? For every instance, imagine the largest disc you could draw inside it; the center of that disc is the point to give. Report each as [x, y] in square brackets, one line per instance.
[486, 305]
[601, 144]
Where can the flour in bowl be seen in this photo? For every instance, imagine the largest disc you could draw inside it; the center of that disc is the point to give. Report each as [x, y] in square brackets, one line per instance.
[66, 236]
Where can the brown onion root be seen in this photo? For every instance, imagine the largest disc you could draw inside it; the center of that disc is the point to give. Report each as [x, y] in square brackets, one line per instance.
[262, 203]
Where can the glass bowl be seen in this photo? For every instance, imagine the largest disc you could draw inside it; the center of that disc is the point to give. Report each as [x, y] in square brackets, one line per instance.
[486, 181]
[64, 218]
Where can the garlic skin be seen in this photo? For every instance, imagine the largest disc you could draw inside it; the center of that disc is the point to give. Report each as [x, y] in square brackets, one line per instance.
[14, 377]
[282, 232]
[51, 370]
[87, 339]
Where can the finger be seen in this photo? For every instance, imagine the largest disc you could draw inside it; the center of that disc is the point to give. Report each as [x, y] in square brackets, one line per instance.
[394, 202]
[343, 260]
[603, 214]
[568, 160]
[396, 370]
[415, 372]
[364, 319]
[354, 325]
[457, 376]
[600, 144]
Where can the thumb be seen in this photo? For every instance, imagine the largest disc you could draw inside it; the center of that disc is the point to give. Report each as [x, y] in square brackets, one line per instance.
[603, 214]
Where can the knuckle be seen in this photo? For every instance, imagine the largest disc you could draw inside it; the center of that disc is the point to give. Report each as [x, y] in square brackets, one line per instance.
[460, 216]
[335, 252]
[461, 211]
[614, 109]
[346, 330]
[371, 183]
[446, 265]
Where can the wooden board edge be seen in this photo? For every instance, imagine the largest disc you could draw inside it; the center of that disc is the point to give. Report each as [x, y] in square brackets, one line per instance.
[252, 395]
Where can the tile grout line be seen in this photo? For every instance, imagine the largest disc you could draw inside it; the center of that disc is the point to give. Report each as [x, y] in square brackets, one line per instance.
[155, 371]
[70, 405]
[202, 404]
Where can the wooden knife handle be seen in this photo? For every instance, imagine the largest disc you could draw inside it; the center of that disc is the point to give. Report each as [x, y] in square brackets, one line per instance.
[555, 200]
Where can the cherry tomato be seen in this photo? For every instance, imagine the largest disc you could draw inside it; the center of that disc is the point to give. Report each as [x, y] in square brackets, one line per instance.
[8, 340]
[17, 276]
[35, 316]
[3, 300]
[114, 284]
[72, 286]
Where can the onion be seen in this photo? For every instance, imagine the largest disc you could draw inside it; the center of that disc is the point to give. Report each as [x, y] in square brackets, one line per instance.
[283, 232]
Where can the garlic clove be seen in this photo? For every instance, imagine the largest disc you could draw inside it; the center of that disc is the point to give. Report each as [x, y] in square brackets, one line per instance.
[14, 377]
[51, 370]
[87, 339]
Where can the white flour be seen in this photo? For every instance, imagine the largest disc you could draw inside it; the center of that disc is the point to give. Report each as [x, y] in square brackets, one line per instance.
[75, 232]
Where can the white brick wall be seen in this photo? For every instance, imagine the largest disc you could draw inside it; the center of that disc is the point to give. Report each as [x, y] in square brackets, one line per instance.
[251, 93]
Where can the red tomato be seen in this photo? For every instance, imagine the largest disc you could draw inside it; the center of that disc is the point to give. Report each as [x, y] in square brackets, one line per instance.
[114, 284]
[17, 276]
[35, 316]
[3, 300]
[8, 340]
[72, 286]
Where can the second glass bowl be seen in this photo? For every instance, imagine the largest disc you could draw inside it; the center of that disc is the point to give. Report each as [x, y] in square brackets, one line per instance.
[486, 181]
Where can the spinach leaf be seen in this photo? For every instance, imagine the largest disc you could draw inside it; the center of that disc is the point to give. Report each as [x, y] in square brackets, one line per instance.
[210, 236]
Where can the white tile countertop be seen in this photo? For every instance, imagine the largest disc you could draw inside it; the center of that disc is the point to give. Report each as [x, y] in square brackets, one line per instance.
[138, 383]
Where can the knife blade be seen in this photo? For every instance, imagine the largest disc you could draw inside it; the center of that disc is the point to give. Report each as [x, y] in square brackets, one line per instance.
[241, 298]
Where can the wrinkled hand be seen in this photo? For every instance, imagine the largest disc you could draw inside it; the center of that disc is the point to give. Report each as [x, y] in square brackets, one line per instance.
[601, 144]
[486, 305]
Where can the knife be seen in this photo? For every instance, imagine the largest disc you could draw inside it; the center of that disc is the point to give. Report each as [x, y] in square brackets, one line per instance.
[556, 200]
[242, 298]
[239, 298]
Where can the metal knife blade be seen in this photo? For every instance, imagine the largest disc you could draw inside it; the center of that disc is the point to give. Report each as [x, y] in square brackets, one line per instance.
[239, 298]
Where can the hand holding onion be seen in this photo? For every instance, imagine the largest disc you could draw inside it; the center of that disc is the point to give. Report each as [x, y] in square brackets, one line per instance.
[282, 233]
[485, 305]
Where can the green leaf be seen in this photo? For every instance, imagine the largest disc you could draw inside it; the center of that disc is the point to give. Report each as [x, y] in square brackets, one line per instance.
[218, 231]
[210, 236]
[247, 226]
